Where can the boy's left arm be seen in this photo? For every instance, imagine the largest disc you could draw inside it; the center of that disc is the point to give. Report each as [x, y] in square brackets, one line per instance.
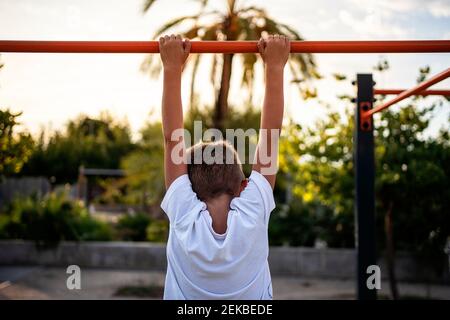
[275, 53]
[174, 53]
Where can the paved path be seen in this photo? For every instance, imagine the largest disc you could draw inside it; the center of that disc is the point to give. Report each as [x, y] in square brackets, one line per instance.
[19, 282]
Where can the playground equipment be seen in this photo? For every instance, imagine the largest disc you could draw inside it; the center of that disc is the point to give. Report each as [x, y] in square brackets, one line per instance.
[363, 137]
[411, 46]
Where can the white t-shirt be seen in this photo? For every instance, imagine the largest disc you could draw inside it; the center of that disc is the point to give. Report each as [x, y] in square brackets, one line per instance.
[205, 265]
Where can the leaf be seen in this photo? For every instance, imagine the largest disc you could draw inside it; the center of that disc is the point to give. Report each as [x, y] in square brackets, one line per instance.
[213, 71]
[193, 77]
[231, 5]
[339, 76]
[382, 65]
[248, 30]
[249, 60]
[203, 3]
[191, 33]
[173, 23]
[423, 73]
[212, 31]
[147, 5]
[256, 11]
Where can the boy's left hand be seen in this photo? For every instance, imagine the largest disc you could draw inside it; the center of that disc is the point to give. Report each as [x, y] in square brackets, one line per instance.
[174, 51]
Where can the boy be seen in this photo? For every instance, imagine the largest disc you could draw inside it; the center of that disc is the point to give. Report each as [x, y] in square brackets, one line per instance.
[218, 243]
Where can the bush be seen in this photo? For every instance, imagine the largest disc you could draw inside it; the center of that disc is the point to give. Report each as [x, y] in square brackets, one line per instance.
[133, 227]
[158, 231]
[48, 221]
[140, 227]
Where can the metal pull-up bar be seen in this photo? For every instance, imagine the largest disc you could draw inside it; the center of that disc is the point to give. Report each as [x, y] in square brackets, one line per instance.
[410, 92]
[364, 163]
[439, 92]
[403, 46]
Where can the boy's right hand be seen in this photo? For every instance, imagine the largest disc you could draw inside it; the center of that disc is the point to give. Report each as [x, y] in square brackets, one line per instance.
[274, 50]
[174, 51]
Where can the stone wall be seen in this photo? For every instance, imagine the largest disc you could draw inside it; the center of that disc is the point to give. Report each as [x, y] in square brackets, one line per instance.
[289, 261]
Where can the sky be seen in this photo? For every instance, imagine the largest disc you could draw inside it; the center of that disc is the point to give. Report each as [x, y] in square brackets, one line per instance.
[50, 89]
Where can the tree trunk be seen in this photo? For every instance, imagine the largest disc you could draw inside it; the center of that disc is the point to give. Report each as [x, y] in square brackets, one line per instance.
[390, 255]
[222, 97]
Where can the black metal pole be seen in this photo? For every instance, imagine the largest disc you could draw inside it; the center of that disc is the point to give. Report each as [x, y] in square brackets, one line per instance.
[365, 187]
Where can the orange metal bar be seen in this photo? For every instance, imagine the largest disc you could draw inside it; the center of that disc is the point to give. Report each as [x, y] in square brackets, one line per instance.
[422, 93]
[226, 46]
[405, 94]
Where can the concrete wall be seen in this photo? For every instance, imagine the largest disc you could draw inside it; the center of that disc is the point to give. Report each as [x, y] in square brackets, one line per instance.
[306, 262]
[24, 186]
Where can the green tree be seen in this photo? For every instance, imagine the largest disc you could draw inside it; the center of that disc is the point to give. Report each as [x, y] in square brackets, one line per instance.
[88, 142]
[412, 182]
[237, 22]
[144, 168]
[50, 220]
[316, 183]
[15, 147]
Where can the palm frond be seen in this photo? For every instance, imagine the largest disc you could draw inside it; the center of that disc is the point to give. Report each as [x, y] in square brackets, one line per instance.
[248, 75]
[306, 89]
[147, 5]
[289, 31]
[191, 33]
[212, 31]
[193, 77]
[152, 65]
[231, 5]
[305, 60]
[173, 23]
[249, 60]
[203, 3]
[259, 11]
[213, 74]
[247, 29]
[297, 80]
[339, 76]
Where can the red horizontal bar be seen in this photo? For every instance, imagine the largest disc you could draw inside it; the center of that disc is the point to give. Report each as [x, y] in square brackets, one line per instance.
[422, 93]
[413, 46]
[410, 92]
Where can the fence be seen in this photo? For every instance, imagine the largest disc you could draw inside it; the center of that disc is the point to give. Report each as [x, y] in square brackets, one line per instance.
[25, 186]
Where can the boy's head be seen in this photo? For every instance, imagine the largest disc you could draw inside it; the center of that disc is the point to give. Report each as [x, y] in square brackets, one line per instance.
[214, 169]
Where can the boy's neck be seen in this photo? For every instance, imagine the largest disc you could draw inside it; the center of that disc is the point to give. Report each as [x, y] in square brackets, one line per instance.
[218, 208]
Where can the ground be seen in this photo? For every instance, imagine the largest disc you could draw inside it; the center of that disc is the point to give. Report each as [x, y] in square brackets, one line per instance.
[37, 282]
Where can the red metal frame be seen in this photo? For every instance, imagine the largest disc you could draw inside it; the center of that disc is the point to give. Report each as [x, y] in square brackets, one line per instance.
[405, 94]
[402, 46]
[439, 92]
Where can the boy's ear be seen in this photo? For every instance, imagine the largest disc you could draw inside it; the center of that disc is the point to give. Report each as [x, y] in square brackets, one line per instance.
[244, 184]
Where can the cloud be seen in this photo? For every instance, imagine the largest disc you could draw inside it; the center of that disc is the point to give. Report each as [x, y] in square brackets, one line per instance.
[373, 24]
[437, 8]
[398, 5]
[440, 9]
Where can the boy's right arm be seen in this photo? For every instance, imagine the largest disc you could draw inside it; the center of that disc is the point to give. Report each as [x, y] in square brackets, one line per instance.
[275, 53]
[174, 53]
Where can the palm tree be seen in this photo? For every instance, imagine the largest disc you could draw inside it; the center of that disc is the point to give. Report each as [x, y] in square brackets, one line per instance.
[237, 23]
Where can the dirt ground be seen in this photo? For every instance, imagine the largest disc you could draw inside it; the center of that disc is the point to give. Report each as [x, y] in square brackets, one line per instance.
[28, 282]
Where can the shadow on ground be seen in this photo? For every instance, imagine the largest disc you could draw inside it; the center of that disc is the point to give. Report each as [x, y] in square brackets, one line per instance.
[37, 282]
